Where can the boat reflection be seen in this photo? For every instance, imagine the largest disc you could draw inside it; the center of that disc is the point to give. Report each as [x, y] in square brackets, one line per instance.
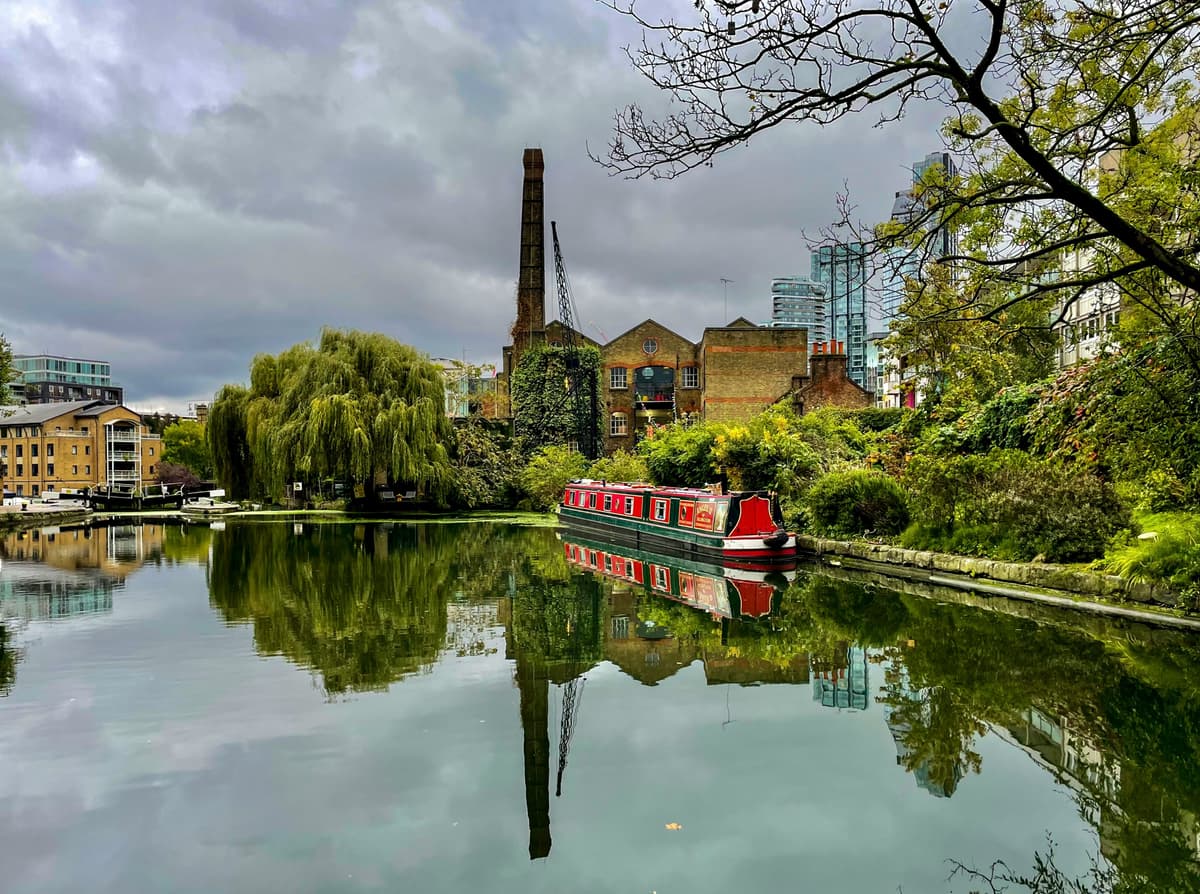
[722, 591]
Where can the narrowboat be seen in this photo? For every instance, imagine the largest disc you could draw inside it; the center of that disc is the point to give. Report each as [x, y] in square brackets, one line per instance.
[722, 591]
[743, 528]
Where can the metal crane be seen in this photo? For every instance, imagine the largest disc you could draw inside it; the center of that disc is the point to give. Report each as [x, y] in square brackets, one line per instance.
[581, 381]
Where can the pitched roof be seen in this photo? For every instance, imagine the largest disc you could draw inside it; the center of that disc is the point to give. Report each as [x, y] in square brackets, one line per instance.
[36, 414]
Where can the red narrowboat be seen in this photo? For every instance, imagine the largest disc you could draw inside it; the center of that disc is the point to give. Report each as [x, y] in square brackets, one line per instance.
[743, 528]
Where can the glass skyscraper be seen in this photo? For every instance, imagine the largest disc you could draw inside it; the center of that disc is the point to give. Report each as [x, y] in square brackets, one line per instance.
[842, 268]
[799, 303]
[901, 264]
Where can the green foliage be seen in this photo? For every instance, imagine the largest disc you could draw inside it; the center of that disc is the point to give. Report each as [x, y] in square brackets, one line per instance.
[486, 468]
[8, 372]
[681, 455]
[1002, 421]
[621, 466]
[359, 407]
[854, 502]
[876, 419]
[772, 451]
[547, 473]
[185, 444]
[1134, 414]
[1009, 505]
[543, 410]
[1169, 553]
[960, 353]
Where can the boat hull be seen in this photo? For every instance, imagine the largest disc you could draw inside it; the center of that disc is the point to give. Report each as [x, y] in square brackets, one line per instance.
[744, 552]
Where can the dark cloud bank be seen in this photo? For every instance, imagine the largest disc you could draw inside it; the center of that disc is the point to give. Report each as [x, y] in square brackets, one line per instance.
[185, 185]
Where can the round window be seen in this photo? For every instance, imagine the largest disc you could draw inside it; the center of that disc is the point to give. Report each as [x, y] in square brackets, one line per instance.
[649, 346]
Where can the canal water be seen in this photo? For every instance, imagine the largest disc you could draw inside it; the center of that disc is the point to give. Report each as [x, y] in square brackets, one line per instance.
[291, 706]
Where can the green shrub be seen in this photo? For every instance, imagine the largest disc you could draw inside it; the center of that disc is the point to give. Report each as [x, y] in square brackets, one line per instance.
[1002, 421]
[844, 504]
[1169, 555]
[547, 473]
[1009, 505]
[877, 419]
[621, 466]
[681, 455]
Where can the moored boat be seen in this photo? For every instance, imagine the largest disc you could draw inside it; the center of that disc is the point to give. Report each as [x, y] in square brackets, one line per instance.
[743, 528]
[208, 507]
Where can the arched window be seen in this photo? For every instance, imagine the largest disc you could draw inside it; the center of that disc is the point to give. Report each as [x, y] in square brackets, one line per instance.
[618, 424]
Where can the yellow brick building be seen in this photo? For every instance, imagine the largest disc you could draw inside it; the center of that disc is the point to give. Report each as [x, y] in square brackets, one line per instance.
[73, 446]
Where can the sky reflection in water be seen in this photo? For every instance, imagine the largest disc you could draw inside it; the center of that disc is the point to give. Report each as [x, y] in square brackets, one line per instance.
[352, 707]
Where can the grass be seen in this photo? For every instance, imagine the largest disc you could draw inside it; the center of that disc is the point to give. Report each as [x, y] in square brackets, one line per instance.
[1171, 557]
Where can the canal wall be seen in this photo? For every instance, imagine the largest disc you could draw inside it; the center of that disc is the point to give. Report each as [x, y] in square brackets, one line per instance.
[14, 518]
[968, 572]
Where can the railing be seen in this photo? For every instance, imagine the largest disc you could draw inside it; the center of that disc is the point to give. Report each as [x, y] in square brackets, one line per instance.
[122, 436]
[121, 475]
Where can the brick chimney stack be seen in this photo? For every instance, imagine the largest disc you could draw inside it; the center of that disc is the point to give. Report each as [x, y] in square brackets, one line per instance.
[828, 361]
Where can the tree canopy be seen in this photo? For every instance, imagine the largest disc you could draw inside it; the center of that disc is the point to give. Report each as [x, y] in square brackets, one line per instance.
[8, 372]
[184, 444]
[1074, 123]
[358, 407]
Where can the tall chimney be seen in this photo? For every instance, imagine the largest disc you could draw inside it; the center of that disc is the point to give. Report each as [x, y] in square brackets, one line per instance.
[530, 327]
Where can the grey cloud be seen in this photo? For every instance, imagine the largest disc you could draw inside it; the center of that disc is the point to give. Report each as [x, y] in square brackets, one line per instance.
[226, 178]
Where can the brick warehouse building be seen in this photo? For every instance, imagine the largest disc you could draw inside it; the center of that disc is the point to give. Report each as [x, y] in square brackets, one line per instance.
[653, 375]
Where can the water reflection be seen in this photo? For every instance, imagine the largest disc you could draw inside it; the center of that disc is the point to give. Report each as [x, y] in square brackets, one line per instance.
[1109, 711]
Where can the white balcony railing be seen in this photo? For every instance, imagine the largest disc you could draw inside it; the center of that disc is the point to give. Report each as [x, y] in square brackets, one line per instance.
[122, 436]
[122, 475]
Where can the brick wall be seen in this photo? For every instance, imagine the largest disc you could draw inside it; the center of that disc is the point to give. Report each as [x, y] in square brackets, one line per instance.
[829, 385]
[627, 352]
[745, 370]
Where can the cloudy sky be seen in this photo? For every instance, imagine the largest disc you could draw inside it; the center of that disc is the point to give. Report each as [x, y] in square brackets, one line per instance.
[184, 185]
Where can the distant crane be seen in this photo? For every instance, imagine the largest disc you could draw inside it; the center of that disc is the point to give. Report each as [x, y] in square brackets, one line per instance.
[581, 381]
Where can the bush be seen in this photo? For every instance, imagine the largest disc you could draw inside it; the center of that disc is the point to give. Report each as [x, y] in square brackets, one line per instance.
[547, 473]
[1009, 505]
[681, 455]
[844, 504]
[621, 466]
[877, 419]
[1171, 557]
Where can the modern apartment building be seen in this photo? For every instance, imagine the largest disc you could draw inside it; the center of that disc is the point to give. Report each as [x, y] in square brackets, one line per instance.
[798, 302]
[842, 268]
[46, 378]
[74, 445]
[902, 264]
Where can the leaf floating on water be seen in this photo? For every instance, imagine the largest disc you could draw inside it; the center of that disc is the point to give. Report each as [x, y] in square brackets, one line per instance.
[674, 827]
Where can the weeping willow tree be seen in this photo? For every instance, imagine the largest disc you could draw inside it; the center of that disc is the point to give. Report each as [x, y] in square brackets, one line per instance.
[358, 407]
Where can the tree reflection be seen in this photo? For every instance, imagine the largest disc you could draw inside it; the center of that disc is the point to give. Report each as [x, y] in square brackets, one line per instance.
[364, 606]
[9, 656]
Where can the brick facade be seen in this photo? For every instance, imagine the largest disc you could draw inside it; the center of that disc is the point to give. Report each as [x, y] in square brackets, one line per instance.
[645, 399]
[828, 383]
[65, 446]
[748, 368]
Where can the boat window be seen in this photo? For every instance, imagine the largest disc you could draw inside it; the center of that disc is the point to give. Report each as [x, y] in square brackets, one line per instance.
[660, 510]
[607, 502]
[591, 555]
[722, 513]
[661, 580]
[608, 563]
[591, 501]
[629, 505]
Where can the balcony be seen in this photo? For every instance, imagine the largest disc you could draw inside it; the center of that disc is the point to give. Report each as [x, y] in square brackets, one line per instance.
[123, 475]
[649, 400]
[115, 435]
